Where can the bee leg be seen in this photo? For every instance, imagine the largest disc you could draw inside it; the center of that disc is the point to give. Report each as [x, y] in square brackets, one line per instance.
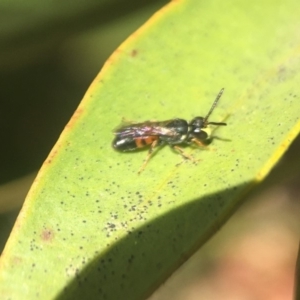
[183, 153]
[153, 145]
[198, 142]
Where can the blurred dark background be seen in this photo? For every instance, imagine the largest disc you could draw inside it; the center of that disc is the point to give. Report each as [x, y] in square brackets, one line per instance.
[49, 55]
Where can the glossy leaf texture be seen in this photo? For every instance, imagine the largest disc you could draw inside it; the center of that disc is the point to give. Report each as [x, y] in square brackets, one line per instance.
[91, 226]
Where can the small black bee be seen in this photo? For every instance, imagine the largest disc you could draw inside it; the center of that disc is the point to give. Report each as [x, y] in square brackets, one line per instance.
[171, 132]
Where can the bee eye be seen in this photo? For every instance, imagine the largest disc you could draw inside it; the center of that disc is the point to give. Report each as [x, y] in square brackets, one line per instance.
[203, 135]
[200, 135]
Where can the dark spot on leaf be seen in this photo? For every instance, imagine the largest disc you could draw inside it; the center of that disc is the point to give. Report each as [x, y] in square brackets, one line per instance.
[134, 53]
[111, 225]
[47, 235]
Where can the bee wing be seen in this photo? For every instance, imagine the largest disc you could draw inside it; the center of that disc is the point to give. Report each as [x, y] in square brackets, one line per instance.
[145, 129]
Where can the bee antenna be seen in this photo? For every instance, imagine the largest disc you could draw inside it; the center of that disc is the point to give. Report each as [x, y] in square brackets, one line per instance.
[213, 106]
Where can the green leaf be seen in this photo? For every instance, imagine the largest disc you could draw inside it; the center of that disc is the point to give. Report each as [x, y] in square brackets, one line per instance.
[91, 226]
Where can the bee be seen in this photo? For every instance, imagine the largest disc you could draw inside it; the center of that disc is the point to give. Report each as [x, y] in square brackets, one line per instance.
[171, 132]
